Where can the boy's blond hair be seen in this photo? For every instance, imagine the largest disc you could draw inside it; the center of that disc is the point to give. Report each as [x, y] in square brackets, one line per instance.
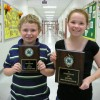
[30, 18]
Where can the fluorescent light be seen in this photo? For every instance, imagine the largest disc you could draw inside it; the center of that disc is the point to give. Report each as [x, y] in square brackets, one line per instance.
[49, 12]
[49, 19]
[49, 6]
[49, 15]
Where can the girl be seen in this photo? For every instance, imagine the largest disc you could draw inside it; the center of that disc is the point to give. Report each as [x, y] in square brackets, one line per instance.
[77, 23]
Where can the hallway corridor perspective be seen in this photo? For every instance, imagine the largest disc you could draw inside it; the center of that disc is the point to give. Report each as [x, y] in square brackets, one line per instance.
[49, 39]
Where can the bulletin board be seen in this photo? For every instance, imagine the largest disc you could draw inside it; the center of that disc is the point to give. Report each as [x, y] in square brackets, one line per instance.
[11, 21]
[90, 32]
[0, 24]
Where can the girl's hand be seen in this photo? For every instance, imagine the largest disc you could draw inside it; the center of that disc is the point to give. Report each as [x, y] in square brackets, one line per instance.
[53, 57]
[41, 65]
[85, 84]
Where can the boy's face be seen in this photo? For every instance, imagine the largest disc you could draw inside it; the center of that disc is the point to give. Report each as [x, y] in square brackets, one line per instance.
[29, 33]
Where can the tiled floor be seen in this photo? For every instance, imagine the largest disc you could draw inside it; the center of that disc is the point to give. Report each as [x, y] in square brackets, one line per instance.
[49, 38]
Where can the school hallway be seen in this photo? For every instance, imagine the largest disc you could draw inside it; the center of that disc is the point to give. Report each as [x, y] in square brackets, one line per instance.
[48, 38]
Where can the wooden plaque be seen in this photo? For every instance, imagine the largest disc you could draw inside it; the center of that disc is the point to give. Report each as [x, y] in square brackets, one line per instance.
[69, 67]
[28, 57]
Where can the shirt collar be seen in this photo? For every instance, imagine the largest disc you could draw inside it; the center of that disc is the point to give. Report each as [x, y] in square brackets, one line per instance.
[20, 42]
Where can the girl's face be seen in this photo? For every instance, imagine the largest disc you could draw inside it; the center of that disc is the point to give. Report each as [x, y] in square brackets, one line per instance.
[29, 33]
[77, 24]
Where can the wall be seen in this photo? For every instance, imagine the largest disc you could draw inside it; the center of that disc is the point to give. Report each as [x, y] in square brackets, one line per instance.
[6, 44]
[77, 4]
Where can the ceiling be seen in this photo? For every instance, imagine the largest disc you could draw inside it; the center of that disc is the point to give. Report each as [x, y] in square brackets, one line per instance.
[38, 6]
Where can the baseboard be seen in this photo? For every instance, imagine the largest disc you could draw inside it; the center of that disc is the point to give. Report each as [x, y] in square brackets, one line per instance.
[1, 71]
[94, 67]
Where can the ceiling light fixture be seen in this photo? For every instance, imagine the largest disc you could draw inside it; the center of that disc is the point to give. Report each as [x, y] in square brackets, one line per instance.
[49, 12]
[49, 15]
[49, 6]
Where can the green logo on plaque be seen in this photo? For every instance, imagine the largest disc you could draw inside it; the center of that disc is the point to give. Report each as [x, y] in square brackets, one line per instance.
[69, 60]
[29, 52]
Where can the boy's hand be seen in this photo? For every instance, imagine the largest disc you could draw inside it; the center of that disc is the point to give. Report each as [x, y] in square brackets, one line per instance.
[16, 68]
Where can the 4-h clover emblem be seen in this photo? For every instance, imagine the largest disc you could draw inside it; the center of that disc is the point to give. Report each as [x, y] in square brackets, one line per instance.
[29, 52]
[69, 60]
